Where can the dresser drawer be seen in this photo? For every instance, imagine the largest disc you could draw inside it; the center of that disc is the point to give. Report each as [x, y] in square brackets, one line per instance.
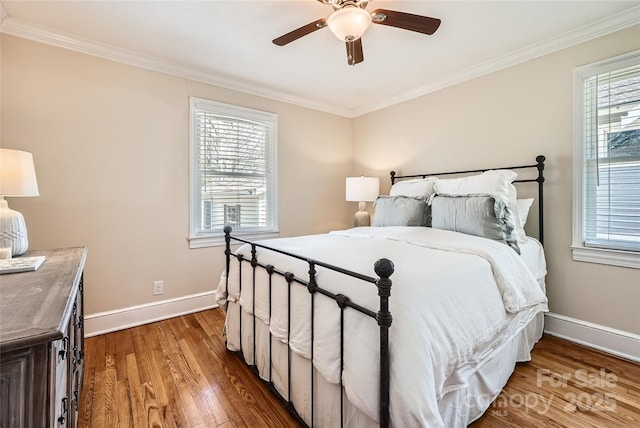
[22, 390]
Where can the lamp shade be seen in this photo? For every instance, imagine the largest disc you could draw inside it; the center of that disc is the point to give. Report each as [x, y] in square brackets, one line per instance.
[17, 174]
[362, 189]
[349, 23]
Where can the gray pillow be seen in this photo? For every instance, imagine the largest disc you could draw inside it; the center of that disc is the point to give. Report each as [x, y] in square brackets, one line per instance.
[475, 215]
[400, 211]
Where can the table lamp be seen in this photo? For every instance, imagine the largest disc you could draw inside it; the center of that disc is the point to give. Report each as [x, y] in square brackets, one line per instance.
[362, 190]
[17, 178]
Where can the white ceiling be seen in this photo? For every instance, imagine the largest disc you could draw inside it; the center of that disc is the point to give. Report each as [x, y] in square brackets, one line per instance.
[228, 43]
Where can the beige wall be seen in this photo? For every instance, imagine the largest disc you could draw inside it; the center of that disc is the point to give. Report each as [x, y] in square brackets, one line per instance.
[110, 145]
[505, 118]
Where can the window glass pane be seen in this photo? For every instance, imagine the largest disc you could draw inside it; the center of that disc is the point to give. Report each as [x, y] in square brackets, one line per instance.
[234, 162]
[612, 159]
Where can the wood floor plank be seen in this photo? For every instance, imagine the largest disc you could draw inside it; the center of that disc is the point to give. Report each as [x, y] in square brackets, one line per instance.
[156, 367]
[124, 410]
[136, 395]
[97, 399]
[180, 372]
[200, 399]
[160, 376]
[152, 411]
[177, 373]
[204, 351]
[111, 404]
[123, 347]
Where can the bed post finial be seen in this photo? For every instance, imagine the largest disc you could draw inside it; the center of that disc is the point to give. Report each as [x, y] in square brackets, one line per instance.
[393, 177]
[384, 269]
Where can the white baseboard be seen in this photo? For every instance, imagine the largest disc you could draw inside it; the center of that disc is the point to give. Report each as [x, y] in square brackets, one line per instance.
[119, 319]
[616, 342]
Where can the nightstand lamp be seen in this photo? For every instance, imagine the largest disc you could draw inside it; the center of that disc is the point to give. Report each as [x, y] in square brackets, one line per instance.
[17, 178]
[362, 190]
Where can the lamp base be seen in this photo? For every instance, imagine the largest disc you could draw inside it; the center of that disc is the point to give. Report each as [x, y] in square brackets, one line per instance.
[13, 230]
[362, 217]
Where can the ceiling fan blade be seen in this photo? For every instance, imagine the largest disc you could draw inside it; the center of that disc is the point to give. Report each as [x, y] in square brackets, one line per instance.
[300, 32]
[406, 21]
[354, 51]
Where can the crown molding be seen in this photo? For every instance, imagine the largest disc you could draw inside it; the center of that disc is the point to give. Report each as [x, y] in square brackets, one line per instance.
[26, 30]
[596, 29]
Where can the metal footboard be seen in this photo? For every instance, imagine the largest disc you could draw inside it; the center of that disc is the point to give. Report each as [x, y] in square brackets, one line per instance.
[383, 268]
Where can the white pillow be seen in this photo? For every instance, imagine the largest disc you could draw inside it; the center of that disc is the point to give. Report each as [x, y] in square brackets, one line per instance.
[415, 188]
[497, 183]
[523, 206]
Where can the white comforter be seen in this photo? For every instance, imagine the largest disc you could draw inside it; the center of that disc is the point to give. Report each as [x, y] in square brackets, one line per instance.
[455, 299]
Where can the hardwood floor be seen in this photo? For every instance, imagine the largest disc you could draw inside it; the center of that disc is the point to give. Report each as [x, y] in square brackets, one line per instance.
[177, 373]
[173, 373]
[567, 385]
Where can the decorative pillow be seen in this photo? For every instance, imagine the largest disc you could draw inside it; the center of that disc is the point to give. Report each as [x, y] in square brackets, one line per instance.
[415, 188]
[476, 215]
[400, 211]
[495, 182]
[523, 209]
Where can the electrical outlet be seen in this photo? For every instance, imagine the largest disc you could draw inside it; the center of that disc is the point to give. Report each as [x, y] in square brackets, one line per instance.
[158, 287]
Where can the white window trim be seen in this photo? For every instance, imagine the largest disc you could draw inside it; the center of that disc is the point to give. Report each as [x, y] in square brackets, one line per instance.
[200, 240]
[581, 252]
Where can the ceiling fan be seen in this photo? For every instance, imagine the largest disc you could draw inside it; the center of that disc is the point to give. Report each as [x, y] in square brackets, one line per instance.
[350, 20]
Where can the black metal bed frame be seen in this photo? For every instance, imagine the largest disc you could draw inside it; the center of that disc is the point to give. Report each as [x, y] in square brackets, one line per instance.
[383, 268]
[539, 165]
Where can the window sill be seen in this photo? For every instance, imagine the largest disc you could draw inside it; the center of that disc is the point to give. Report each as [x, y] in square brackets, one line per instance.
[604, 256]
[218, 239]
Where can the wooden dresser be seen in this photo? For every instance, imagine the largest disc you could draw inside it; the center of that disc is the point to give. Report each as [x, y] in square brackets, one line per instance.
[42, 342]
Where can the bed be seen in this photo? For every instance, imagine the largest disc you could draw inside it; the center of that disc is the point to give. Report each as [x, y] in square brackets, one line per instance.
[314, 318]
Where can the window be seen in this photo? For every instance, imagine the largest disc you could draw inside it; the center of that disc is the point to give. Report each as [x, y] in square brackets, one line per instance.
[607, 162]
[233, 172]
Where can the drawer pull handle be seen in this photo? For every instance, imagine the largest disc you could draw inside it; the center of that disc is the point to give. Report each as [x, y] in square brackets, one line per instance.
[63, 417]
[63, 351]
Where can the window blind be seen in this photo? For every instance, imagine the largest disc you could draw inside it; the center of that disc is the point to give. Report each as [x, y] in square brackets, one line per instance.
[234, 159]
[611, 176]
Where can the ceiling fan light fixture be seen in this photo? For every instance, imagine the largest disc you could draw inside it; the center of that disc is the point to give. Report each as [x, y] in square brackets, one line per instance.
[349, 23]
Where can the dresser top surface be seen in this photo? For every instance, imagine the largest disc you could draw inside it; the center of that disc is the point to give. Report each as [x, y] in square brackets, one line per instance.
[34, 305]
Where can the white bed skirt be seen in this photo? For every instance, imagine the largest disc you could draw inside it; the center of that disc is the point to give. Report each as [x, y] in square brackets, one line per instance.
[458, 408]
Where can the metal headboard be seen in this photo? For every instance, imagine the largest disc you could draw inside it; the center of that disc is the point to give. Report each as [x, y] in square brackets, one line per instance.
[540, 180]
